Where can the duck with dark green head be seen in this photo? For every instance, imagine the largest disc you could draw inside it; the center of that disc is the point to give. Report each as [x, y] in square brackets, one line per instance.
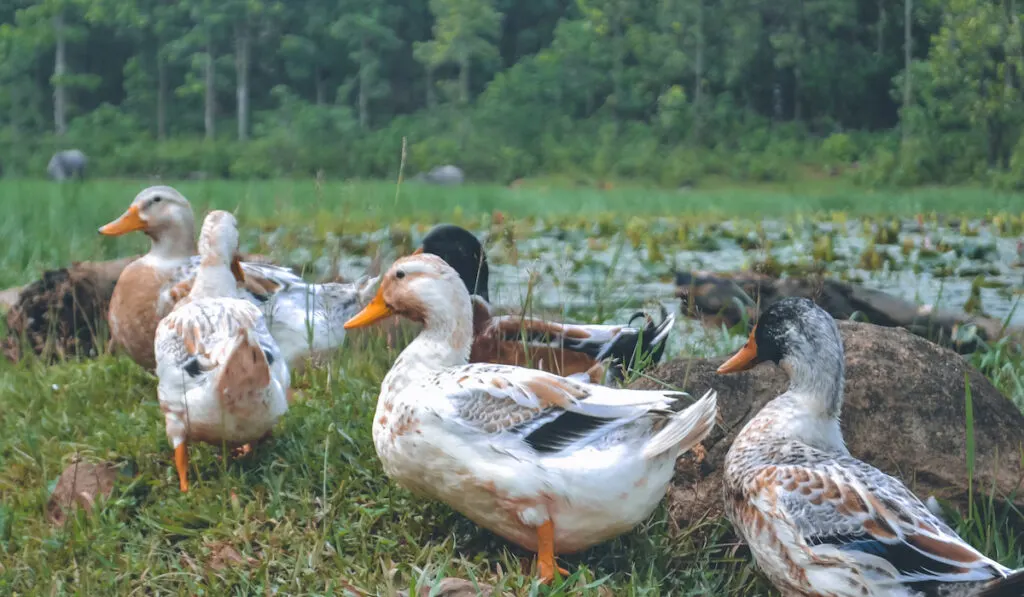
[557, 347]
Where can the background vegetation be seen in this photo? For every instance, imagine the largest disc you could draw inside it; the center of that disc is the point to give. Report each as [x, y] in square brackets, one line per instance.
[671, 91]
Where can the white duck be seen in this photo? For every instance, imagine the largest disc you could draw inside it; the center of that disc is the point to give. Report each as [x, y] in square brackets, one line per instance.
[819, 522]
[544, 461]
[303, 317]
[222, 376]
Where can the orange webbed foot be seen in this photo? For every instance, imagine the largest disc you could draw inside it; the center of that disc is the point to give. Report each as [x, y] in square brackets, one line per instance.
[181, 463]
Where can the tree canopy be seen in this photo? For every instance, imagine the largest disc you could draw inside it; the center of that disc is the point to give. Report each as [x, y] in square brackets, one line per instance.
[672, 91]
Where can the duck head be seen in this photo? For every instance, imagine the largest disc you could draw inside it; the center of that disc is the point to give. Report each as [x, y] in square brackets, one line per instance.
[804, 341]
[461, 249]
[165, 215]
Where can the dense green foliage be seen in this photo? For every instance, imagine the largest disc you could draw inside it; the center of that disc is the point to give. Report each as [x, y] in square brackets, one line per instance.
[672, 91]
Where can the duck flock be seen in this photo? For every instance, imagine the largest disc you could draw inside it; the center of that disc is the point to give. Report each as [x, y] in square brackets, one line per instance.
[522, 424]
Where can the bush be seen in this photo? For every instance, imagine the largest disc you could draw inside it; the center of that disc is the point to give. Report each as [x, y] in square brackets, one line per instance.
[838, 149]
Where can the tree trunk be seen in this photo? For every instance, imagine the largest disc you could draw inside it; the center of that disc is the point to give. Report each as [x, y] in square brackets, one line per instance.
[698, 76]
[364, 87]
[464, 79]
[60, 67]
[210, 98]
[908, 48]
[880, 39]
[242, 79]
[431, 92]
[319, 87]
[618, 65]
[161, 94]
[798, 75]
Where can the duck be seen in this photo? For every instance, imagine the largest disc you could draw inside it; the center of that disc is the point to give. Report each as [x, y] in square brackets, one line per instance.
[304, 318]
[819, 522]
[578, 350]
[222, 375]
[549, 463]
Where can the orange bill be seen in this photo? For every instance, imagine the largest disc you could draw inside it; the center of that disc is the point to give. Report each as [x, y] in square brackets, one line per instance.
[376, 310]
[418, 251]
[744, 359]
[236, 269]
[130, 221]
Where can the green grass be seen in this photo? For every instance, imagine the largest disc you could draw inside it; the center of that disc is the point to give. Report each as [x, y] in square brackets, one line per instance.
[312, 508]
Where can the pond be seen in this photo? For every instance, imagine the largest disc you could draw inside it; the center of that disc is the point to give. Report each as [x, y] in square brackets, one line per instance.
[604, 272]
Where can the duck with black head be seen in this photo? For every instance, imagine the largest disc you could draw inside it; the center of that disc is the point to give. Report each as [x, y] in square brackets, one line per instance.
[546, 462]
[558, 347]
[819, 522]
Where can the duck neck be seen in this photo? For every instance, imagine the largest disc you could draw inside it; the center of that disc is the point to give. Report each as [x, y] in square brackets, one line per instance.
[214, 279]
[814, 401]
[445, 341]
[174, 242]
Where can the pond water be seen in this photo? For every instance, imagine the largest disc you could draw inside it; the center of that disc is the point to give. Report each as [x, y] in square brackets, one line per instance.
[585, 273]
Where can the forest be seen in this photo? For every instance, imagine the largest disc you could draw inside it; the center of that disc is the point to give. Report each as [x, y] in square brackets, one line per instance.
[673, 92]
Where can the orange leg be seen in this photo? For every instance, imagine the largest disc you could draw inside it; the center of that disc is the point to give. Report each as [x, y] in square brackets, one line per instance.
[181, 463]
[546, 553]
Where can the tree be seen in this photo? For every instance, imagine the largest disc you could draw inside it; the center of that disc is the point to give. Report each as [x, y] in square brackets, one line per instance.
[363, 28]
[56, 23]
[464, 31]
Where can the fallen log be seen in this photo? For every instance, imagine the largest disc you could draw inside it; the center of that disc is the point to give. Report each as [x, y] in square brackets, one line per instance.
[731, 298]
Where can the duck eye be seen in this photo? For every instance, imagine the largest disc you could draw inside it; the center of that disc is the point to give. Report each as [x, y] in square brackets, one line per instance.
[157, 199]
[400, 274]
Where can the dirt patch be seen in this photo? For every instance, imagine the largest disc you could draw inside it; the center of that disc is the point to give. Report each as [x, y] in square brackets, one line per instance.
[64, 313]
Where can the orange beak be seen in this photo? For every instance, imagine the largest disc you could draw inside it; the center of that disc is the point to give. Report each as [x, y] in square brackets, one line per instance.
[376, 310]
[418, 251]
[130, 221]
[744, 359]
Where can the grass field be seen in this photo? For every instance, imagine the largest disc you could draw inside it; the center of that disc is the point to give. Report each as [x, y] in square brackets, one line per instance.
[311, 512]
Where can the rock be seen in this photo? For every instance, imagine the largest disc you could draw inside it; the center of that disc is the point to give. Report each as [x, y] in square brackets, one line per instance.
[80, 484]
[64, 313]
[444, 175]
[67, 164]
[728, 298]
[904, 412]
[454, 587]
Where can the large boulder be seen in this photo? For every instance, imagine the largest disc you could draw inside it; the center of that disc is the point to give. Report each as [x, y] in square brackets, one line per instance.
[67, 164]
[904, 412]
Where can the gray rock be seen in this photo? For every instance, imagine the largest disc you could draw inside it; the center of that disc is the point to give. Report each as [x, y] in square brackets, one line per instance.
[67, 164]
[445, 175]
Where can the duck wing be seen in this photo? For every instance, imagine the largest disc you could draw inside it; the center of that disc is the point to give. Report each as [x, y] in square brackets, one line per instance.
[624, 345]
[199, 336]
[549, 413]
[843, 505]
